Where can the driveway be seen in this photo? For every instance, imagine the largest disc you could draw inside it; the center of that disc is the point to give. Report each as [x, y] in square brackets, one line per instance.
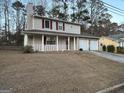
[111, 56]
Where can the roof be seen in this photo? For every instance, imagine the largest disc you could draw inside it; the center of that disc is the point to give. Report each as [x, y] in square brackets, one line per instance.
[36, 16]
[57, 33]
[117, 37]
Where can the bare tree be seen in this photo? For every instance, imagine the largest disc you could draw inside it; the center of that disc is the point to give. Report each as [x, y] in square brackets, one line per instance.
[18, 6]
[97, 10]
[6, 18]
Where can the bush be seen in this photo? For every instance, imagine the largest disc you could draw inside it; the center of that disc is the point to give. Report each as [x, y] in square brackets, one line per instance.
[120, 50]
[110, 48]
[28, 49]
[104, 48]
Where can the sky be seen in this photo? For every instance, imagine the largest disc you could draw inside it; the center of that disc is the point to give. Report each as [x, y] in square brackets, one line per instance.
[117, 3]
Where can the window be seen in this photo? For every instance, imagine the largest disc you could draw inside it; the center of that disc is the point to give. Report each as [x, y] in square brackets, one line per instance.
[60, 26]
[50, 40]
[47, 24]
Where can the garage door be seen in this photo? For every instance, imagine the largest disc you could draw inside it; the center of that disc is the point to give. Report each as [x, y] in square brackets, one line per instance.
[121, 44]
[84, 44]
[94, 44]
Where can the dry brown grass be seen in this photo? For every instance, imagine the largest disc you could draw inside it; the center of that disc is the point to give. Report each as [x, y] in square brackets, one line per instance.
[57, 73]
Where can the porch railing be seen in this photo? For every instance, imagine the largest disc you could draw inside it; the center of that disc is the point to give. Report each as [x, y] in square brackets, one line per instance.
[50, 48]
[38, 47]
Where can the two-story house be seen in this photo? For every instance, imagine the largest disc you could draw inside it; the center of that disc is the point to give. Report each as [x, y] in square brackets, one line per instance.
[48, 34]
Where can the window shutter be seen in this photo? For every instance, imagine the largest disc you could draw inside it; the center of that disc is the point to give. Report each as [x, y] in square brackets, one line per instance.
[51, 24]
[56, 25]
[42, 23]
[63, 26]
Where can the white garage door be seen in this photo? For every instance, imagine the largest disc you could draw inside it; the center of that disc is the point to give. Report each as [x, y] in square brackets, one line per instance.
[84, 44]
[121, 44]
[94, 44]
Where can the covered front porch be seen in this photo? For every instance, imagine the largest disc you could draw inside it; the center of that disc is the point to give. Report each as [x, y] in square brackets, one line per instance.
[44, 42]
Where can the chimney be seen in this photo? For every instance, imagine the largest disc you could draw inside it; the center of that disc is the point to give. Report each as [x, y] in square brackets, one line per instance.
[30, 12]
[29, 8]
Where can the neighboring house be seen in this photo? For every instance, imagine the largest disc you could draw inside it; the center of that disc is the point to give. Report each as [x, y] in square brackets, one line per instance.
[121, 27]
[115, 40]
[47, 34]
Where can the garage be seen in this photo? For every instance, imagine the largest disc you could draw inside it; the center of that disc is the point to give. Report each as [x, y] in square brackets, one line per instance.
[94, 44]
[88, 44]
[84, 44]
[121, 44]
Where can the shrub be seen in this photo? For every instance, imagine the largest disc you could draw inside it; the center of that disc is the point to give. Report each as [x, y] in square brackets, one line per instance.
[120, 50]
[27, 49]
[110, 48]
[104, 48]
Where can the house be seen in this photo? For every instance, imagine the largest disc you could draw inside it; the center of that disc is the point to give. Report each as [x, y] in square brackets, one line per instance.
[48, 34]
[115, 40]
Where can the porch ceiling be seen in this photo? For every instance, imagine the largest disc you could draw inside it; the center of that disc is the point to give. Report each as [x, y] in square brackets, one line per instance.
[57, 33]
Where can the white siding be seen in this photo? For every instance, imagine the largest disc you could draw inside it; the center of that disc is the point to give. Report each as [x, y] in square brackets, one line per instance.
[69, 28]
[37, 24]
[62, 43]
[54, 26]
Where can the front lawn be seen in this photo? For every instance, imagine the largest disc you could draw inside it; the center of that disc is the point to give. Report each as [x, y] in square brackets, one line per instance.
[57, 73]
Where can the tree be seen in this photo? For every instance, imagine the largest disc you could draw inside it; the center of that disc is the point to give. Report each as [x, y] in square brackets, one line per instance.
[39, 10]
[98, 9]
[80, 12]
[6, 14]
[18, 6]
[73, 8]
[54, 12]
[65, 11]
[59, 9]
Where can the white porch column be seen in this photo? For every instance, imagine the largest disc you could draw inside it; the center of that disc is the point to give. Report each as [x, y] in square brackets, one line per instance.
[77, 43]
[57, 43]
[25, 40]
[33, 45]
[74, 44]
[68, 43]
[42, 42]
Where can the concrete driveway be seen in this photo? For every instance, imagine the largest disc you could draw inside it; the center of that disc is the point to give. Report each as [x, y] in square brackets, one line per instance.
[111, 56]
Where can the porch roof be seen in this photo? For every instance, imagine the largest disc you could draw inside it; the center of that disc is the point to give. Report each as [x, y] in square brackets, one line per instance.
[57, 33]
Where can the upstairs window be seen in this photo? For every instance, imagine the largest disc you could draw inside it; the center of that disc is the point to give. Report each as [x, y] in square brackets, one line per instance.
[60, 26]
[47, 24]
